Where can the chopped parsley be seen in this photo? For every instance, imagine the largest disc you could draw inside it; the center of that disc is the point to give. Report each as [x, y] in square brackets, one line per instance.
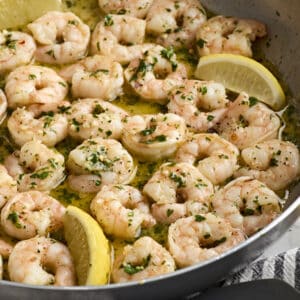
[14, 217]
[98, 109]
[178, 179]
[108, 21]
[169, 212]
[210, 118]
[159, 138]
[201, 43]
[40, 174]
[50, 53]
[31, 76]
[11, 44]
[203, 90]
[76, 124]
[199, 218]
[148, 131]
[73, 22]
[131, 269]
[168, 53]
[273, 162]
[64, 109]
[252, 101]
[142, 69]
[95, 73]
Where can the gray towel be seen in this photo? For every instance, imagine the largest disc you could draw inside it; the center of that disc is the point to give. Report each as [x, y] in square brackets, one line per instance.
[284, 266]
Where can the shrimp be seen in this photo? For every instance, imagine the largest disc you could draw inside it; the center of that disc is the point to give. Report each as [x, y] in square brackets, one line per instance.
[121, 38]
[41, 261]
[135, 8]
[63, 38]
[7, 243]
[215, 157]
[276, 163]
[201, 237]
[5, 251]
[50, 129]
[175, 188]
[202, 104]
[95, 77]
[144, 259]
[31, 213]
[8, 186]
[16, 49]
[122, 211]
[3, 106]
[6, 246]
[153, 75]
[175, 23]
[32, 85]
[228, 35]
[247, 204]
[36, 167]
[152, 137]
[91, 118]
[98, 162]
[248, 122]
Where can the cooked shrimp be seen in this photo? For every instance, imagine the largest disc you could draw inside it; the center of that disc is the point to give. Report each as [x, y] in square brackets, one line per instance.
[98, 162]
[201, 103]
[229, 35]
[50, 129]
[175, 23]
[95, 77]
[31, 213]
[63, 38]
[36, 167]
[248, 122]
[247, 204]
[275, 163]
[5, 250]
[201, 237]
[122, 211]
[41, 261]
[31, 85]
[8, 186]
[16, 49]
[6, 244]
[152, 137]
[91, 118]
[174, 187]
[3, 106]
[120, 37]
[135, 8]
[154, 74]
[144, 259]
[215, 157]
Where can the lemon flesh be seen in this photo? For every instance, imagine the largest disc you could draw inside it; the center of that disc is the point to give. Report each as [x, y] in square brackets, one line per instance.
[89, 247]
[242, 74]
[16, 13]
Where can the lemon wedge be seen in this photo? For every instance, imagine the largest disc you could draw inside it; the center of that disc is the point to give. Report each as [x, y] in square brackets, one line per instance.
[15, 13]
[242, 74]
[89, 247]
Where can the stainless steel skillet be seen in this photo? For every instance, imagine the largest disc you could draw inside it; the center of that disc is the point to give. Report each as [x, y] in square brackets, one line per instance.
[282, 18]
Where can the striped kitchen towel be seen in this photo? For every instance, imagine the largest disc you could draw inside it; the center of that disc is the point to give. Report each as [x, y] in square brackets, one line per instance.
[284, 266]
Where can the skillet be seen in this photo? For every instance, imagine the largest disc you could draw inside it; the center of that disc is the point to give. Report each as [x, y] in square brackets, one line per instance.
[282, 50]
